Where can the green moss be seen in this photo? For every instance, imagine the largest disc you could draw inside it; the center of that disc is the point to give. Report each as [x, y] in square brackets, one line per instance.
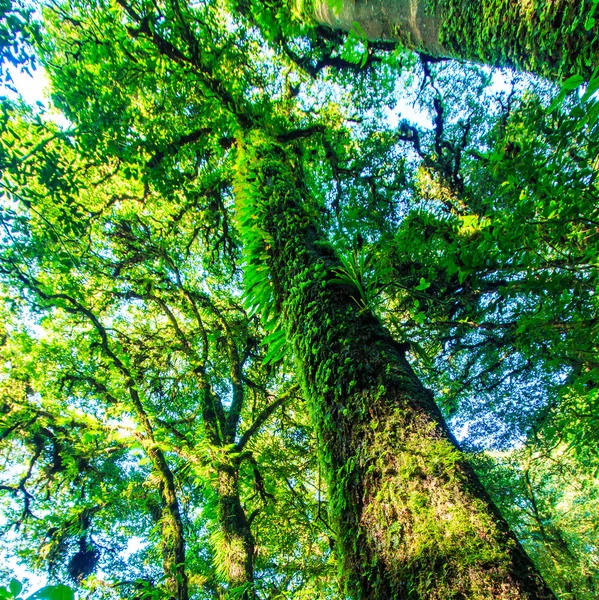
[444, 541]
[411, 518]
[548, 37]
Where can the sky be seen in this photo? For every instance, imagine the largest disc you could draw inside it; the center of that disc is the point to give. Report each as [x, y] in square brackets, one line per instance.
[31, 87]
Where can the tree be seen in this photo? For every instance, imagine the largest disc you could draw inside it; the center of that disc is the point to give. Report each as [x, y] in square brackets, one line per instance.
[554, 39]
[538, 484]
[171, 112]
[393, 468]
[130, 321]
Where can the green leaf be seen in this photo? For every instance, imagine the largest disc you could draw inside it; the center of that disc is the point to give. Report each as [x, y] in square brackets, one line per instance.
[276, 343]
[593, 113]
[420, 351]
[573, 82]
[423, 285]
[359, 30]
[557, 101]
[15, 587]
[53, 592]
[592, 87]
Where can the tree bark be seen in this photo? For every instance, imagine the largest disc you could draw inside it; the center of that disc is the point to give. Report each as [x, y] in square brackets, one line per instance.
[410, 21]
[412, 519]
[547, 37]
[236, 546]
[173, 538]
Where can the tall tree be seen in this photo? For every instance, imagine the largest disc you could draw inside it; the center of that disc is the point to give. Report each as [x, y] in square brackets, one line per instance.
[412, 517]
[552, 38]
[135, 323]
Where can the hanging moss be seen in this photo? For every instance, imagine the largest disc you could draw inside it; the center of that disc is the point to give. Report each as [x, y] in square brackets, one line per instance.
[412, 519]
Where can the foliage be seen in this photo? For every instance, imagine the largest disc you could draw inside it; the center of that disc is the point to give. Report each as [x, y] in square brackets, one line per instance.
[135, 384]
[49, 592]
[18, 31]
[233, 206]
[551, 499]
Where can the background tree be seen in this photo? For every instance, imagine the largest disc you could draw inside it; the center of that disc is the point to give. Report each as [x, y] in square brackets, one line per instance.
[554, 39]
[149, 352]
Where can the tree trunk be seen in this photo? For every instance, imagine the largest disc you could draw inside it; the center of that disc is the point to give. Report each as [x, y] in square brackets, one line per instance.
[235, 547]
[547, 37]
[413, 23]
[173, 539]
[411, 517]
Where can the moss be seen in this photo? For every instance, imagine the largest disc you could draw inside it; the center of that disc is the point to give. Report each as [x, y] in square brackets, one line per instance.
[547, 37]
[412, 519]
[444, 541]
[233, 542]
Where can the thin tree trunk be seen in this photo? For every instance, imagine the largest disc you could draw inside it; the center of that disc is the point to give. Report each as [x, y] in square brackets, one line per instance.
[173, 538]
[412, 519]
[236, 546]
[548, 37]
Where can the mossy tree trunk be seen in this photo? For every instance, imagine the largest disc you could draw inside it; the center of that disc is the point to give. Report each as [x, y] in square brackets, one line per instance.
[548, 37]
[236, 544]
[173, 545]
[411, 517]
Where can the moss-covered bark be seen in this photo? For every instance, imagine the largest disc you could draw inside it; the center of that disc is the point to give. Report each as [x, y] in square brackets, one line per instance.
[173, 544]
[548, 37]
[235, 545]
[167, 516]
[412, 519]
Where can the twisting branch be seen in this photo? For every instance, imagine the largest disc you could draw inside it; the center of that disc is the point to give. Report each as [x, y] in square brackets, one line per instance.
[263, 417]
[213, 412]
